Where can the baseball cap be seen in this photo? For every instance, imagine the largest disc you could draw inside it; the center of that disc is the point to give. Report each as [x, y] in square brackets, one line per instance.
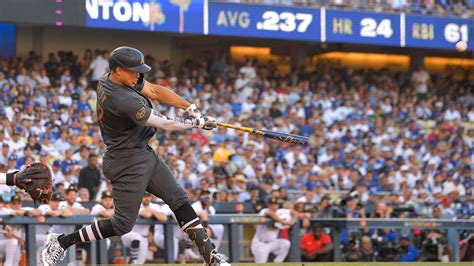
[56, 197]
[405, 236]
[240, 178]
[147, 193]
[57, 163]
[71, 188]
[15, 198]
[106, 194]
[205, 194]
[5, 145]
[67, 169]
[12, 157]
[272, 201]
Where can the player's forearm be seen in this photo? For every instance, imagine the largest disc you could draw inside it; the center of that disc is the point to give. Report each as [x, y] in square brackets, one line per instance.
[7, 178]
[167, 96]
[174, 124]
[80, 211]
[106, 213]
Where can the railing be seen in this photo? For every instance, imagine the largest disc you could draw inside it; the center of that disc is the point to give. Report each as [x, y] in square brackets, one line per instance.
[233, 223]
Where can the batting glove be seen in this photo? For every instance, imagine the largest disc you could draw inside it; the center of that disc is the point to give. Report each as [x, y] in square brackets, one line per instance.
[193, 112]
[210, 123]
[206, 122]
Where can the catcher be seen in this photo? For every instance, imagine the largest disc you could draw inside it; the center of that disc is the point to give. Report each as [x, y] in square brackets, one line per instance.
[35, 179]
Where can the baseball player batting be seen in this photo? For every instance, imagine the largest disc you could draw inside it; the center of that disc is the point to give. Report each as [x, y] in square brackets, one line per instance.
[127, 122]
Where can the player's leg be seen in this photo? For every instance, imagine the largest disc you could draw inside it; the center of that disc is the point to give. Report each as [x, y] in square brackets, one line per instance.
[281, 248]
[129, 177]
[217, 234]
[163, 185]
[260, 250]
[12, 254]
[138, 246]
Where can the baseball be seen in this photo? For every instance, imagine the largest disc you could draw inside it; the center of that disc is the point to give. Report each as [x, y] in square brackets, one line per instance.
[461, 46]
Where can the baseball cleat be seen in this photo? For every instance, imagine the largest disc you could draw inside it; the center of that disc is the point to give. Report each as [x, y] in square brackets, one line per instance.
[53, 252]
[218, 259]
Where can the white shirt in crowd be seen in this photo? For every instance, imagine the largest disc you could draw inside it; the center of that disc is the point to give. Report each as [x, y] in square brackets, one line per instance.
[420, 80]
[65, 229]
[99, 66]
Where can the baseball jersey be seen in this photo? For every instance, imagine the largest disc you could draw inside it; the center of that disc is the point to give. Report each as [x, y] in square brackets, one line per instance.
[143, 229]
[65, 229]
[122, 112]
[160, 229]
[265, 232]
[197, 206]
[43, 229]
[4, 211]
[97, 209]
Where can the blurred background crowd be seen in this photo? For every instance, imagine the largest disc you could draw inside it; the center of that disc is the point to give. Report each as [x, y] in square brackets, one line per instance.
[384, 144]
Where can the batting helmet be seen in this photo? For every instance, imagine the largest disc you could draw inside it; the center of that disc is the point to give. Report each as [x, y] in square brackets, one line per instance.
[128, 58]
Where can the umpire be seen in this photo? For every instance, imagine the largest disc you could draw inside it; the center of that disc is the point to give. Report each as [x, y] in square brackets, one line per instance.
[127, 122]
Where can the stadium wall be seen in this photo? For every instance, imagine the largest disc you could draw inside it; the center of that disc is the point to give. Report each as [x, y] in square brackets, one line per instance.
[51, 39]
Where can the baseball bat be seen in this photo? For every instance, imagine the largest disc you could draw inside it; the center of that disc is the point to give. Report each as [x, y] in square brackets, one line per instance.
[290, 138]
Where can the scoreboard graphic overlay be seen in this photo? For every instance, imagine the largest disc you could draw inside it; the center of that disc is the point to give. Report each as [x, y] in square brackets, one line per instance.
[204, 17]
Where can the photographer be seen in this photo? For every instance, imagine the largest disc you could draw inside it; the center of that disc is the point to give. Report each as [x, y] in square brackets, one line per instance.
[366, 250]
[434, 247]
[407, 252]
[467, 248]
[384, 242]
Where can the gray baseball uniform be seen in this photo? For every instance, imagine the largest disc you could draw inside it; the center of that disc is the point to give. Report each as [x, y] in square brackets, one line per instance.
[130, 164]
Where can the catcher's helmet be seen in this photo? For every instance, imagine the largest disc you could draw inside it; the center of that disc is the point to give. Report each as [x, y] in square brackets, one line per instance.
[128, 58]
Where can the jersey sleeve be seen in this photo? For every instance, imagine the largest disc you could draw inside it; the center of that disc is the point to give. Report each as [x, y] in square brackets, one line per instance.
[44, 209]
[140, 83]
[134, 109]
[326, 239]
[97, 209]
[77, 205]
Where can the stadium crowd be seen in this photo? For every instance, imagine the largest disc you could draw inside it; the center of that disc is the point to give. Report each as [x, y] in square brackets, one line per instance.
[459, 8]
[384, 144]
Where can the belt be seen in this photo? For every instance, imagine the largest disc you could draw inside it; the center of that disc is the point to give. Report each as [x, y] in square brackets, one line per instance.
[264, 241]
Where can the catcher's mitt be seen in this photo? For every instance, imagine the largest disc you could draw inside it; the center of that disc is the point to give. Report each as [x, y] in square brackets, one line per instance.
[35, 179]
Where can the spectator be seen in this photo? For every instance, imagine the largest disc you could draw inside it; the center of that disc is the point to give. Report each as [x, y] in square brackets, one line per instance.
[421, 81]
[89, 176]
[316, 245]
[366, 250]
[98, 66]
[407, 252]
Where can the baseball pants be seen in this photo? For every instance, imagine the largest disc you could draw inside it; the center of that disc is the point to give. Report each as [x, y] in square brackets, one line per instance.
[217, 234]
[132, 173]
[138, 246]
[10, 247]
[40, 244]
[159, 238]
[261, 250]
